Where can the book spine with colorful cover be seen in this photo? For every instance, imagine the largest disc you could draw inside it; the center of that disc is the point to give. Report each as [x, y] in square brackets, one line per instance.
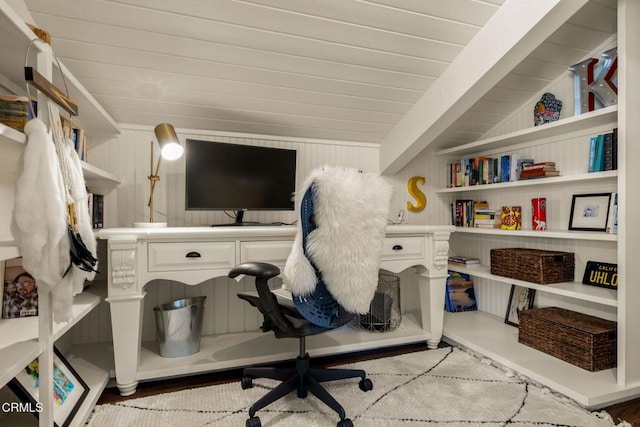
[599, 160]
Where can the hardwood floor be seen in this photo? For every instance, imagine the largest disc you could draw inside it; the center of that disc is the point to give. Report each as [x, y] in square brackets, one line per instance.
[627, 411]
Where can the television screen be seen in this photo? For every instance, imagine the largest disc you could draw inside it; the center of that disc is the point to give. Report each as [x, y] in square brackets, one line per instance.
[222, 176]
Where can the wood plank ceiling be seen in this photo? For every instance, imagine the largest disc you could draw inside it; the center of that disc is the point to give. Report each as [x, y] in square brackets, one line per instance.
[329, 69]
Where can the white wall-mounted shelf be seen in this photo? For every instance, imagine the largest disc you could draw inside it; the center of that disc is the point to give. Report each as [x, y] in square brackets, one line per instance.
[591, 119]
[567, 179]
[22, 329]
[13, 142]
[546, 234]
[92, 117]
[15, 357]
[575, 290]
[97, 180]
[8, 248]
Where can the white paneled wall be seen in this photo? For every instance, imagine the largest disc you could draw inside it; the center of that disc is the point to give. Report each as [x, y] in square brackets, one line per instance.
[128, 158]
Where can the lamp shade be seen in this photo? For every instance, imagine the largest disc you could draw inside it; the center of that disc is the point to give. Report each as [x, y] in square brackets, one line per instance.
[170, 147]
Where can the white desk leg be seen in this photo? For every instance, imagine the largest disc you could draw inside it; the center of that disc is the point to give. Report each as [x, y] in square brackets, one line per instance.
[432, 306]
[126, 324]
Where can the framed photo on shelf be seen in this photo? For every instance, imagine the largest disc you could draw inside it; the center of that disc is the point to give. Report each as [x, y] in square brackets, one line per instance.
[69, 390]
[520, 298]
[20, 291]
[589, 212]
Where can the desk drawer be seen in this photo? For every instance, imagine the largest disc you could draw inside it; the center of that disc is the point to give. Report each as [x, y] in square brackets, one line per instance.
[191, 256]
[274, 252]
[403, 248]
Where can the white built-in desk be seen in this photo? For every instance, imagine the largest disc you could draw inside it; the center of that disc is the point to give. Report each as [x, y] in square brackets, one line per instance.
[192, 255]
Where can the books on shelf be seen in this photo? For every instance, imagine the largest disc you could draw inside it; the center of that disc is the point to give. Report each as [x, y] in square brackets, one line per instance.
[464, 260]
[96, 209]
[460, 295]
[15, 112]
[539, 170]
[603, 152]
[481, 170]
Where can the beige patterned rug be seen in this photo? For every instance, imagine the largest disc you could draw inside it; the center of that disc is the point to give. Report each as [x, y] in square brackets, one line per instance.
[443, 387]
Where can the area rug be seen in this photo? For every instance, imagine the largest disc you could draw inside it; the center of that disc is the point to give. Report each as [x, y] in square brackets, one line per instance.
[443, 387]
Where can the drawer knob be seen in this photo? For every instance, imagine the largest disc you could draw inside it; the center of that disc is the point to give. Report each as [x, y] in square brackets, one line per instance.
[397, 247]
[193, 255]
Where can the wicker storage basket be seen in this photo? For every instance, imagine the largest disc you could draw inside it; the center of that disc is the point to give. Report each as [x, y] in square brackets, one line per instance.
[533, 265]
[580, 339]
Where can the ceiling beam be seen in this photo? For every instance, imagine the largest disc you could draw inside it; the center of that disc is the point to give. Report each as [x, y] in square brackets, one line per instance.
[514, 31]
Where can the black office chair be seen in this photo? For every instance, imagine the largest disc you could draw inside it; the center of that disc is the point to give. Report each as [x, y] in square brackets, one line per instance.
[298, 317]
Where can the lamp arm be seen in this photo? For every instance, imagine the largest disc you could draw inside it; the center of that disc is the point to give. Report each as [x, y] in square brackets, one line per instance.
[154, 177]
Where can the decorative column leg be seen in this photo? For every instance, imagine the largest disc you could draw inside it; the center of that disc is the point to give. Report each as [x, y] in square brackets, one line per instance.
[432, 286]
[432, 303]
[125, 298]
[126, 324]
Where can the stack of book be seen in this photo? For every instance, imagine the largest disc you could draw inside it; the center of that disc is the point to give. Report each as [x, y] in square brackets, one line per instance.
[14, 111]
[466, 261]
[603, 152]
[486, 217]
[539, 170]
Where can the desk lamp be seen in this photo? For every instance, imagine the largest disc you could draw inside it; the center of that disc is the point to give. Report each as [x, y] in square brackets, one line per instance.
[170, 149]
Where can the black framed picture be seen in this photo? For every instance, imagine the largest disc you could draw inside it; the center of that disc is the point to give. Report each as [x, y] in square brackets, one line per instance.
[520, 298]
[589, 212]
[69, 390]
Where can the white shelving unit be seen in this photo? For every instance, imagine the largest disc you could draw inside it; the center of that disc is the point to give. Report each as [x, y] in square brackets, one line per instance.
[568, 180]
[490, 336]
[487, 333]
[22, 340]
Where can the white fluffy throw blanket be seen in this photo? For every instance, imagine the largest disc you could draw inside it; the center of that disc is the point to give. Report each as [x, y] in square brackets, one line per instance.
[351, 210]
[39, 224]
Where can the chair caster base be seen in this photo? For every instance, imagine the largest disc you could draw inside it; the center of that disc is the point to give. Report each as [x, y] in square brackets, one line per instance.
[255, 422]
[345, 423]
[365, 384]
[246, 382]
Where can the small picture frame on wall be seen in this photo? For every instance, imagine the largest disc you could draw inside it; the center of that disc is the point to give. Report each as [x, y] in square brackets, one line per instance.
[520, 298]
[589, 212]
[69, 390]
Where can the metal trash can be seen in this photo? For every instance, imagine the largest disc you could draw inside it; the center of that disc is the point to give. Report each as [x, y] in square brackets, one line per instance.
[179, 326]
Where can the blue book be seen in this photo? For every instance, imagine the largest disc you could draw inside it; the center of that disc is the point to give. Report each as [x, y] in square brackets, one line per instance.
[599, 160]
[592, 154]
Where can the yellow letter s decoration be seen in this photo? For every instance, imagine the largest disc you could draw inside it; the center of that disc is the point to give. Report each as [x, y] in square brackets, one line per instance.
[416, 193]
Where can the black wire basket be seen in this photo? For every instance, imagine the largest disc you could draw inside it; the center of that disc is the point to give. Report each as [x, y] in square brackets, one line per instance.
[384, 312]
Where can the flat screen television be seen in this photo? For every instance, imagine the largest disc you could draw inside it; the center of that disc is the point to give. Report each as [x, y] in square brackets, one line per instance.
[235, 177]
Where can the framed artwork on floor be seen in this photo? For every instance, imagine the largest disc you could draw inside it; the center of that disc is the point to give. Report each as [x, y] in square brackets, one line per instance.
[520, 298]
[69, 390]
